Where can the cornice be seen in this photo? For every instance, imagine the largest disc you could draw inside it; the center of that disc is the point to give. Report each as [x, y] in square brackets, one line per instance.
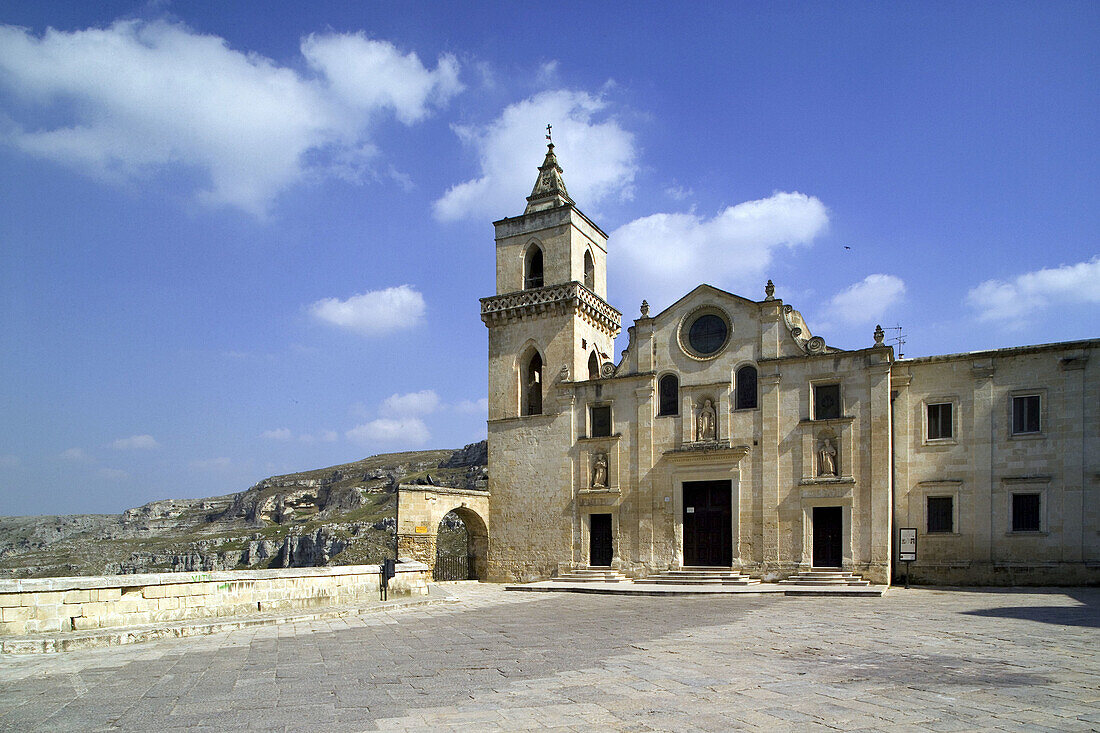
[562, 299]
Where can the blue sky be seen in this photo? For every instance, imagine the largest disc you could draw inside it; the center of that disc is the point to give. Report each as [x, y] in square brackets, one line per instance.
[241, 239]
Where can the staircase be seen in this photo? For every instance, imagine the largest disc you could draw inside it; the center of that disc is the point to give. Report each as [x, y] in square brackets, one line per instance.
[825, 577]
[699, 576]
[590, 575]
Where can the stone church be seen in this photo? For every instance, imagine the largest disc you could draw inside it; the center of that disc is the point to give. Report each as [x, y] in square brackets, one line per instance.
[728, 435]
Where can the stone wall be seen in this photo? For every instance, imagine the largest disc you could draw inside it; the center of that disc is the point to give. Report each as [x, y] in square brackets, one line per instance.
[75, 604]
[983, 463]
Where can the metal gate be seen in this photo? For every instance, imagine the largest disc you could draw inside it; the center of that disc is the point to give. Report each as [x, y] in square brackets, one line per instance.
[454, 567]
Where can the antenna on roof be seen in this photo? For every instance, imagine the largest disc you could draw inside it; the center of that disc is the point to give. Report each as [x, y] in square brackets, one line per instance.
[898, 340]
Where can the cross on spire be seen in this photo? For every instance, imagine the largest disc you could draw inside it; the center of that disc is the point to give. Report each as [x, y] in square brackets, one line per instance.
[548, 133]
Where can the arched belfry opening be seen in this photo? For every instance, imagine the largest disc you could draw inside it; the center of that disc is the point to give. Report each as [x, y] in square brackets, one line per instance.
[589, 271]
[593, 366]
[462, 546]
[532, 268]
[531, 398]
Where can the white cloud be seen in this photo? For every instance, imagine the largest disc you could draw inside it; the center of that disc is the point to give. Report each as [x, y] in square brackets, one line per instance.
[473, 407]
[373, 75]
[1008, 304]
[678, 192]
[136, 442]
[597, 154]
[406, 431]
[75, 455]
[212, 464]
[325, 436]
[373, 313]
[113, 474]
[136, 97]
[412, 404]
[276, 434]
[866, 301]
[665, 255]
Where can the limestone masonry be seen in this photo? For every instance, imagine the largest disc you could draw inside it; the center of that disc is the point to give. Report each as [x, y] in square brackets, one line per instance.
[729, 436]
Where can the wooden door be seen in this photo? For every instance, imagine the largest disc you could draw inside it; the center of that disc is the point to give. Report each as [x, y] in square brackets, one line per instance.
[708, 523]
[600, 550]
[828, 536]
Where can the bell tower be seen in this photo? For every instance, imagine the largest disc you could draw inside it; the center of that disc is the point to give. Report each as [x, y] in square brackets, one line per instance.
[549, 320]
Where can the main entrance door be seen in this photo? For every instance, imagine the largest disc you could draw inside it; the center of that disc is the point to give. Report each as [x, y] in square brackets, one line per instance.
[600, 551]
[828, 530]
[708, 527]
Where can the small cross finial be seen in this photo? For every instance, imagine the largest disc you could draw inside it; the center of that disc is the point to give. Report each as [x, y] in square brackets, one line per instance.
[548, 133]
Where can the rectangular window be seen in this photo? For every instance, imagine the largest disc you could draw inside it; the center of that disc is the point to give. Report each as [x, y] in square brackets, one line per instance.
[601, 421]
[1025, 414]
[826, 401]
[941, 514]
[1025, 512]
[939, 421]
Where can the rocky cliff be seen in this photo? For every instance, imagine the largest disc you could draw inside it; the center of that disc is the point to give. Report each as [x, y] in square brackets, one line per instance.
[340, 515]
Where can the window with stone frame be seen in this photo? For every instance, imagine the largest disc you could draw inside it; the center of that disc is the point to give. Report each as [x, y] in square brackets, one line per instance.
[939, 421]
[1025, 414]
[1027, 512]
[593, 366]
[941, 514]
[746, 388]
[589, 272]
[600, 421]
[668, 395]
[826, 401]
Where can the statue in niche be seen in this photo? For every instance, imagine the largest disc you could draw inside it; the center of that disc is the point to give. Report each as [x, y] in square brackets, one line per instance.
[826, 459]
[599, 471]
[706, 428]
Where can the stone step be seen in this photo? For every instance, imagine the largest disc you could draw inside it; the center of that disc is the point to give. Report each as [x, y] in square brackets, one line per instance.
[658, 580]
[699, 576]
[590, 575]
[825, 577]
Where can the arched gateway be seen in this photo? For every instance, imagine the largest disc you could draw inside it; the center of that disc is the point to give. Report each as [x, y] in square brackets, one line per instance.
[421, 511]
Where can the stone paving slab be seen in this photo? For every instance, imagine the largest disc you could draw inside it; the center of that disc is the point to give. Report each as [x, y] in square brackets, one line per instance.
[498, 661]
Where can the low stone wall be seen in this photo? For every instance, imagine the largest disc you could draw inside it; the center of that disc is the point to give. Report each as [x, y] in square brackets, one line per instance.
[38, 605]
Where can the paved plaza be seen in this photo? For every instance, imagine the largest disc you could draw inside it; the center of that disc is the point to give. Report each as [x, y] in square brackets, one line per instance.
[496, 660]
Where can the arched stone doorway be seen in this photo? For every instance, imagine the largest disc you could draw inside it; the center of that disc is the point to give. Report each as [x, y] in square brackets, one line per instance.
[462, 544]
[421, 511]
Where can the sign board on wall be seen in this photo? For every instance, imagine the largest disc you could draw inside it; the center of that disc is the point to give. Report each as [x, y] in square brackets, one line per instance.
[907, 544]
[420, 529]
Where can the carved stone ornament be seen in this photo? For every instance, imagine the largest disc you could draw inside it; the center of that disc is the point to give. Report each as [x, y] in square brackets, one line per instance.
[769, 291]
[827, 458]
[879, 336]
[563, 373]
[645, 309]
[599, 471]
[607, 369]
[800, 332]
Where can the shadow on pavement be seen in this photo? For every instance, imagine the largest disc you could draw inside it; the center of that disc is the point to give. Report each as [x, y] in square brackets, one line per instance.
[1086, 614]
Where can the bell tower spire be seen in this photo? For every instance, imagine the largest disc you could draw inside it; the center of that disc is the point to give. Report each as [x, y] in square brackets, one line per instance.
[549, 191]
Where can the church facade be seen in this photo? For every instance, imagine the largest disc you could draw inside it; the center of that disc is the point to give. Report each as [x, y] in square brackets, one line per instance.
[728, 435]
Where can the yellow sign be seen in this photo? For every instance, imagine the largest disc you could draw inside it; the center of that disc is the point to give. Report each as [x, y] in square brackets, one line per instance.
[421, 530]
